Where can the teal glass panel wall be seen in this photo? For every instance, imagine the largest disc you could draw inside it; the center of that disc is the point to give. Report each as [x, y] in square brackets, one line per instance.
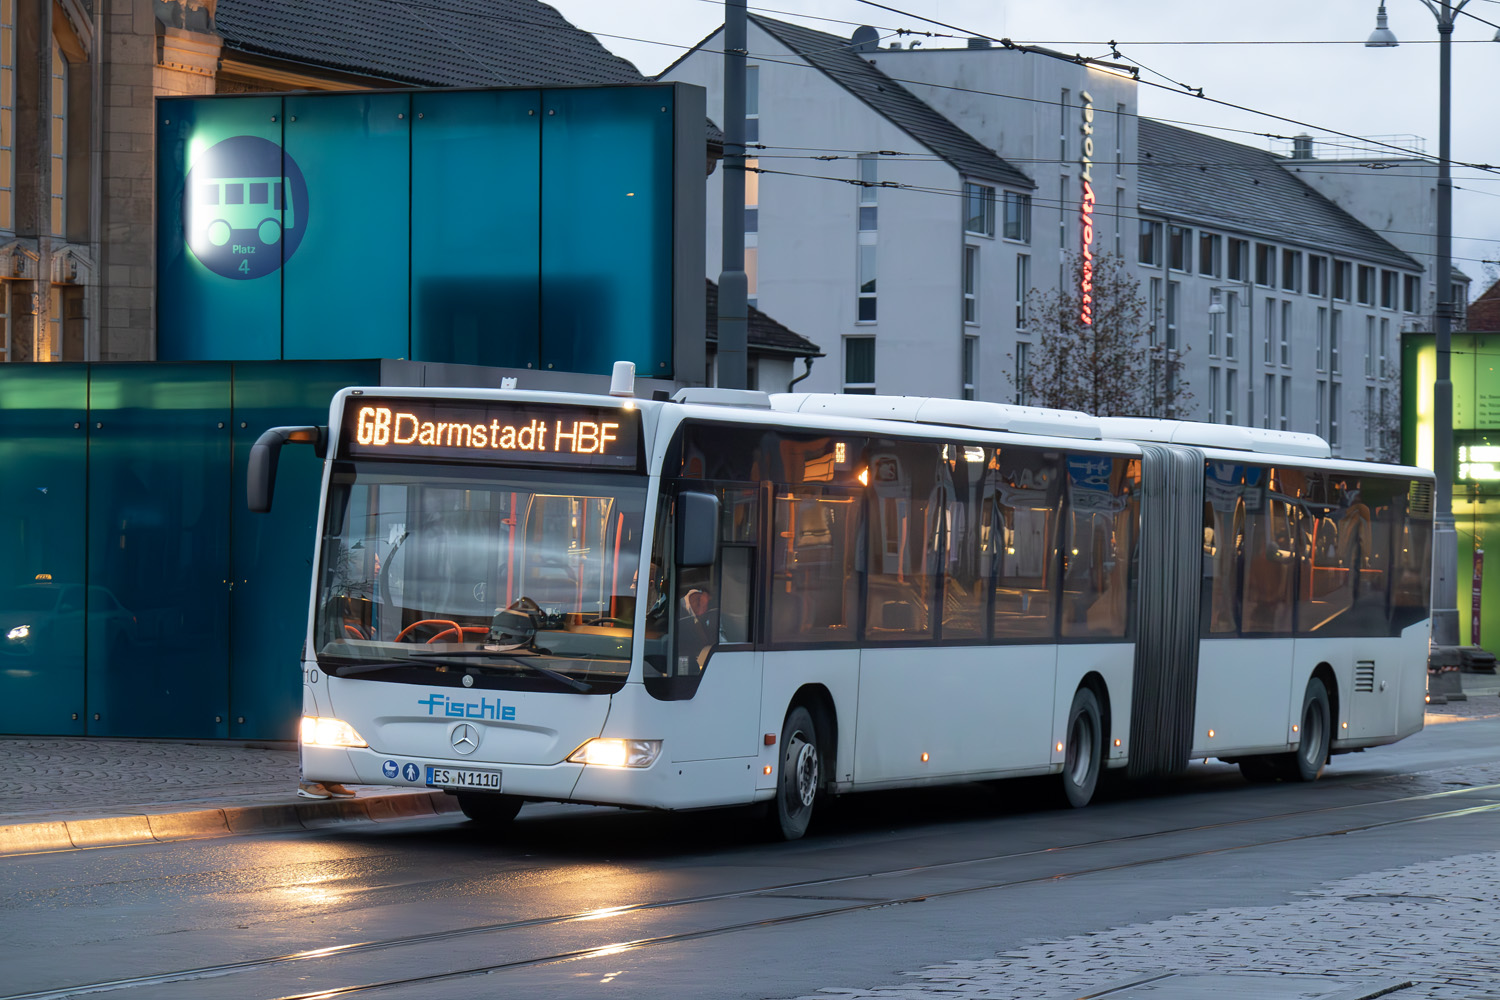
[475, 172]
[607, 171]
[228, 208]
[271, 553]
[158, 489]
[346, 291]
[43, 623]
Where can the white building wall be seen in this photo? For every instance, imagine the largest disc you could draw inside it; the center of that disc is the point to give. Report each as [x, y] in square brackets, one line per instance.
[807, 245]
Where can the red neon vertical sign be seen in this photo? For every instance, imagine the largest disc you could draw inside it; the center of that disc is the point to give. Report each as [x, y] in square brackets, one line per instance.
[1086, 216]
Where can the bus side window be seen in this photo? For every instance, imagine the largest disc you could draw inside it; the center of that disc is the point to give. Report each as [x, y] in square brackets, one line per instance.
[739, 540]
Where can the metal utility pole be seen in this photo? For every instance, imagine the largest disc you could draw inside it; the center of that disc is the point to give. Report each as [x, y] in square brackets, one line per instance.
[1445, 641]
[733, 318]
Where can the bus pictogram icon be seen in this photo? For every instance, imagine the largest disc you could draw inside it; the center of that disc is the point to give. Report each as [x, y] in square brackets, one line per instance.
[244, 207]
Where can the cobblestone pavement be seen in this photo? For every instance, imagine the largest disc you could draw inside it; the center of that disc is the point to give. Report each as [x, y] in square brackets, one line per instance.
[98, 777]
[1405, 923]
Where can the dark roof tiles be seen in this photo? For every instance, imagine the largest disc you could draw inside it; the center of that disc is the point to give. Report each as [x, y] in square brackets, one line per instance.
[761, 332]
[837, 59]
[442, 43]
[1199, 178]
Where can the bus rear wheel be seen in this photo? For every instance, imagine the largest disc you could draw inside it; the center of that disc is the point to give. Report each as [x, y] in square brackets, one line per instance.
[1307, 760]
[1083, 749]
[493, 812]
[800, 778]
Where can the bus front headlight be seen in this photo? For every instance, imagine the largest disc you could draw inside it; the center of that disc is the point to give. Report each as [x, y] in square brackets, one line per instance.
[603, 752]
[318, 732]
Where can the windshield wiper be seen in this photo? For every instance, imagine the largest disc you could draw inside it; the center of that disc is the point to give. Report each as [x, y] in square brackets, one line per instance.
[537, 668]
[350, 669]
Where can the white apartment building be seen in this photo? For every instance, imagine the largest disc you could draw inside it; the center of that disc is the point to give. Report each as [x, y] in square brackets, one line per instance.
[907, 199]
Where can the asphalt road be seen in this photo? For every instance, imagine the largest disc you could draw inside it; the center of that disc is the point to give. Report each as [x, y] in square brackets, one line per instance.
[1376, 876]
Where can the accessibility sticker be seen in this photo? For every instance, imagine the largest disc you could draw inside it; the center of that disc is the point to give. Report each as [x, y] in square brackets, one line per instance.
[409, 771]
[390, 769]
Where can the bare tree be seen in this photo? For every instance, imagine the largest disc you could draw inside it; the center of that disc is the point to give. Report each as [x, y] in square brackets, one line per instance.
[1108, 366]
[1383, 420]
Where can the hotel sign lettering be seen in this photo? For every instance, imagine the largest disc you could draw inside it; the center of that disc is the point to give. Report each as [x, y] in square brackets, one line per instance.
[1086, 215]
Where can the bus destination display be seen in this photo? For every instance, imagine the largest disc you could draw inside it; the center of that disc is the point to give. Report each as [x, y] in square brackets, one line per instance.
[526, 433]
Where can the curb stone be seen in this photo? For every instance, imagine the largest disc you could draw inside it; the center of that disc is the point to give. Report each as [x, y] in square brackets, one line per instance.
[229, 821]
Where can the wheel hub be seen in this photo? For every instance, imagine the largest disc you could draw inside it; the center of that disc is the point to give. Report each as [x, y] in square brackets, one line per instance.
[805, 771]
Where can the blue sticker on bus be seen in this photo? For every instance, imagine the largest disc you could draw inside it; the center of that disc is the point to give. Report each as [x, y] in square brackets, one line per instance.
[390, 769]
[409, 772]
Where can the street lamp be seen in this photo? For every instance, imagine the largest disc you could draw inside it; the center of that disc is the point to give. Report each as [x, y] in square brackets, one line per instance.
[1444, 651]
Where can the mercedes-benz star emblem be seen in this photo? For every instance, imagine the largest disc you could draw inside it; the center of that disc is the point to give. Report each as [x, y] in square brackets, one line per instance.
[465, 738]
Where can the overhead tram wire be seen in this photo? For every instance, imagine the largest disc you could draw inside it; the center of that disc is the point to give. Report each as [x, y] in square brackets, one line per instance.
[1085, 61]
[767, 58]
[1102, 209]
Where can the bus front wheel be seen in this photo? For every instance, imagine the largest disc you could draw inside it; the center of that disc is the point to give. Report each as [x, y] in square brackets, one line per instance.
[1317, 732]
[491, 811]
[800, 778]
[1083, 749]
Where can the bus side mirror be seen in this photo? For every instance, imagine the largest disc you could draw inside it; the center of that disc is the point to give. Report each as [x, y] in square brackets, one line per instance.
[260, 477]
[697, 529]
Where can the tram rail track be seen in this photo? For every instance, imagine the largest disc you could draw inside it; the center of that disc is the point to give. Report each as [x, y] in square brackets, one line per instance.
[785, 890]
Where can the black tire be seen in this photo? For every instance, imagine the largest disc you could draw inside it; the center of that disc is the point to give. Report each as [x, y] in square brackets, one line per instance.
[489, 810]
[1316, 729]
[799, 781]
[1083, 749]
[1262, 770]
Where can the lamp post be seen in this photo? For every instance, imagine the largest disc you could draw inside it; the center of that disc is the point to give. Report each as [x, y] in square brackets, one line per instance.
[1445, 642]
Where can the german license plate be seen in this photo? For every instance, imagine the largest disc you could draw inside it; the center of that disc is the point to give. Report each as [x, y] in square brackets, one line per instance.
[452, 777]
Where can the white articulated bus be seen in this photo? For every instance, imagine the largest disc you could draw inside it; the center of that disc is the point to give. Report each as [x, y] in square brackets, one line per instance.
[727, 598]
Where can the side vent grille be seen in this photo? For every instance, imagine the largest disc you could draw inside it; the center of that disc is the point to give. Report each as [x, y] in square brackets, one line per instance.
[1419, 499]
[1364, 676]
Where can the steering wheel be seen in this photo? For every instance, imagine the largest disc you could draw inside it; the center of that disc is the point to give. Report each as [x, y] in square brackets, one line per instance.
[452, 627]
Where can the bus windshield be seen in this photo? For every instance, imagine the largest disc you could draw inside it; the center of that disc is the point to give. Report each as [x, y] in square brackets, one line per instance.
[507, 578]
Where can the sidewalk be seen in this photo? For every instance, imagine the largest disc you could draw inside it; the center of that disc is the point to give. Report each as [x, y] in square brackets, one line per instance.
[65, 793]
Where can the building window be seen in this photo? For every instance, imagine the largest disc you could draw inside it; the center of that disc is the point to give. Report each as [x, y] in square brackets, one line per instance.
[1153, 311]
[1268, 418]
[1213, 333]
[1335, 400]
[1209, 248]
[752, 275]
[1023, 289]
[1286, 401]
[1341, 278]
[1369, 346]
[1268, 343]
[1249, 400]
[868, 178]
[1322, 408]
[1174, 293]
[1231, 389]
[8, 119]
[1150, 248]
[1291, 270]
[752, 104]
[5, 354]
[1119, 141]
[1317, 275]
[979, 209]
[1231, 311]
[1213, 395]
[1385, 346]
[1120, 223]
[1285, 334]
[1411, 299]
[1179, 251]
[1239, 260]
[1265, 265]
[59, 142]
[1322, 352]
[1023, 373]
[1366, 290]
[971, 348]
[52, 350]
[971, 284]
[752, 196]
[1335, 332]
[1063, 107]
[1063, 218]
[859, 365]
[1459, 296]
[866, 293]
[1017, 217]
[1370, 418]
[1389, 297]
